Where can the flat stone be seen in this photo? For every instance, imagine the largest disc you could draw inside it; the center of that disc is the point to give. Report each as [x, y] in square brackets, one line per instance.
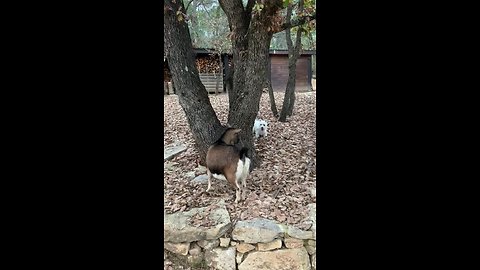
[293, 242]
[190, 175]
[244, 247]
[275, 244]
[208, 244]
[200, 170]
[233, 243]
[202, 179]
[221, 259]
[257, 230]
[194, 249]
[177, 228]
[313, 192]
[178, 248]
[170, 151]
[300, 234]
[224, 242]
[280, 259]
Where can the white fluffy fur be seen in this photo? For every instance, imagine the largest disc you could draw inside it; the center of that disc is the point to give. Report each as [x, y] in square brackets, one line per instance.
[257, 128]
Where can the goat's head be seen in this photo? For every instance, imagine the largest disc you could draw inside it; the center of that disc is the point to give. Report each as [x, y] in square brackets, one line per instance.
[231, 136]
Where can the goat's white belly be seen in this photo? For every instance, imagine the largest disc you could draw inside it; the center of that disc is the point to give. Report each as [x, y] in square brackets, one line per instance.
[242, 170]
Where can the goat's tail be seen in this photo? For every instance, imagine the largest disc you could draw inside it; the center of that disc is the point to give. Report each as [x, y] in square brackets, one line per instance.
[244, 153]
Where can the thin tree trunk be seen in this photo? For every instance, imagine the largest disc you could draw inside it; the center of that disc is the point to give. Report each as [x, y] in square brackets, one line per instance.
[192, 95]
[293, 53]
[273, 106]
[220, 74]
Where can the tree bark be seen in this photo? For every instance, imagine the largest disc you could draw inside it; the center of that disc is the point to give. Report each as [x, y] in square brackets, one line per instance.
[238, 22]
[293, 53]
[220, 74]
[192, 95]
[251, 35]
[273, 106]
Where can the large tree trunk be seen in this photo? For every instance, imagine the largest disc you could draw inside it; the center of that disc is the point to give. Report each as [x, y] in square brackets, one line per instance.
[293, 53]
[192, 95]
[251, 36]
[273, 106]
[238, 22]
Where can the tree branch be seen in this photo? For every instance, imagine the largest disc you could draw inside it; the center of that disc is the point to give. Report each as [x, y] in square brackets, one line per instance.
[296, 22]
[188, 5]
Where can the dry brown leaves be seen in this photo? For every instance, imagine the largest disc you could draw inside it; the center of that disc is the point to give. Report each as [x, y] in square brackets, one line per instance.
[279, 189]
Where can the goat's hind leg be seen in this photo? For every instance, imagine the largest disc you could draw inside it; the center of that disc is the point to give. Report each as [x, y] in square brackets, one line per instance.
[238, 191]
[209, 180]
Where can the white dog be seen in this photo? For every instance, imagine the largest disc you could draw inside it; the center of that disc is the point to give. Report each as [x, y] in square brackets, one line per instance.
[260, 128]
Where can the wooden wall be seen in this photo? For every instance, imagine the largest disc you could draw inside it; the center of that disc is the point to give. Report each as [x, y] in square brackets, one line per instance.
[279, 73]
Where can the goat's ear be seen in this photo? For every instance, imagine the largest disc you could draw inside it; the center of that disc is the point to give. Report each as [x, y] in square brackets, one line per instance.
[237, 130]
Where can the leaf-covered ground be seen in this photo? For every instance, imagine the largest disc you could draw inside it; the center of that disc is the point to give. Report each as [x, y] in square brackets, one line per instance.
[279, 189]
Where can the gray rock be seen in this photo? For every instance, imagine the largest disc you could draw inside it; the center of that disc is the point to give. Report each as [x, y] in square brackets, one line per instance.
[178, 248]
[170, 151]
[209, 244]
[280, 259]
[190, 175]
[300, 234]
[194, 249]
[202, 179]
[244, 247]
[293, 242]
[224, 242]
[257, 230]
[177, 228]
[221, 259]
[275, 244]
[200, 170]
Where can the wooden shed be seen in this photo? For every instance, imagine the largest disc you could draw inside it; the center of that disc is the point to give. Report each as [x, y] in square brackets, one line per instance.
[212, 69]
[279, 70]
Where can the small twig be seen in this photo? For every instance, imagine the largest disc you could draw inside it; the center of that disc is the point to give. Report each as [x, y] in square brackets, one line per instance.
[277, 191]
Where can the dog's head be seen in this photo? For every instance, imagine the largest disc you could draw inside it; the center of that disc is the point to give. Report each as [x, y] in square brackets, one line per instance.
[261, 125]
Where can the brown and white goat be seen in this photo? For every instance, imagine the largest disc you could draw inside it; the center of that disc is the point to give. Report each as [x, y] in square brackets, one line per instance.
[226, 162]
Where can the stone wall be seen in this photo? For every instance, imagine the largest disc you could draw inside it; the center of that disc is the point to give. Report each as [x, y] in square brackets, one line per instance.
[253, 244]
